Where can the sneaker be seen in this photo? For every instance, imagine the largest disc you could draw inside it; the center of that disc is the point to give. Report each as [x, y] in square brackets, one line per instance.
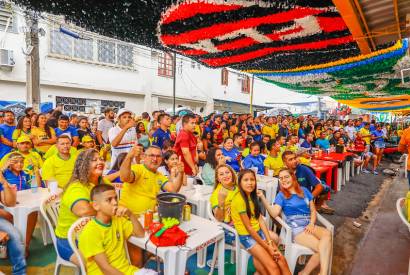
[375, 172]
[366, 171]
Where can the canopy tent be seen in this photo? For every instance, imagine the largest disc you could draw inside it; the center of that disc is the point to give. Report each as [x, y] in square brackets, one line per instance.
[302, 45]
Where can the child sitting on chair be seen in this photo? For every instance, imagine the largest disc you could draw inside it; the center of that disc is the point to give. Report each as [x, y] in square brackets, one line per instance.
[102, 241]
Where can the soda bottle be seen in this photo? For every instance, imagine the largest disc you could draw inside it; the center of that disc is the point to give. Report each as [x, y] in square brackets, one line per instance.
[33, 184]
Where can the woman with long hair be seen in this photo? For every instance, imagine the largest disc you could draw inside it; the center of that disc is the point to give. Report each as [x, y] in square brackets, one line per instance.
[83, 128]
[142, 136]
[169, 166]
[23, 128]
[75, 201]
[252, 230]
[214, 158]
[43, 136]
[297, 204]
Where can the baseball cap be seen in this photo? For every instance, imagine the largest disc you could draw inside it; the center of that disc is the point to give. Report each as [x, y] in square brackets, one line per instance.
[87, 138]
[23, 138]
[122, 111]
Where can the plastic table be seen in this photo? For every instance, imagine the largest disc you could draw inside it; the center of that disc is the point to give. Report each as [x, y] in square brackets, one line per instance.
[199, 196]
[27, 203]
[202, 232]
[323, 169]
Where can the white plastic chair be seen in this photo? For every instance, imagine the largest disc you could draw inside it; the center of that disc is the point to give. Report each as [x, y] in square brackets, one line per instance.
[240, 254]
[49, 211]
[293, 250]
[73, 234]
[400, 211]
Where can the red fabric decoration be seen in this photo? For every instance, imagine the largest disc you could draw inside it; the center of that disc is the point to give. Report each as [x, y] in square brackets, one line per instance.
[173, 236]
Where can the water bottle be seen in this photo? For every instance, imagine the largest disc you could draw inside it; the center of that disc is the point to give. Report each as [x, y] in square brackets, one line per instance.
[33, 184]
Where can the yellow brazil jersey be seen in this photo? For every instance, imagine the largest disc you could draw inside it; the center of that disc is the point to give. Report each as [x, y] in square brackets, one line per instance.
[294, 148]
[18, 133]
[274, 163]
[228, 200]
[140, 195]
[407, 206]
[56, 168]
[246, 152]
[97, 238]
[75, 192]
[238, 208]
[40, 134]
[197, 129]
[53, 151]
[31, 160]
[269, 130]
[365, 132]
[275, 128]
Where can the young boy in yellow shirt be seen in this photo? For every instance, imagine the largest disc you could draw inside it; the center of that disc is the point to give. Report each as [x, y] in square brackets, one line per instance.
[102, 241]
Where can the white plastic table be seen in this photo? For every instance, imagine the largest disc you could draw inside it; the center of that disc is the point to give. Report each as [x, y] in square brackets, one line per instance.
[199, 196]
[27, 203]
[202, 232]
[270, 186]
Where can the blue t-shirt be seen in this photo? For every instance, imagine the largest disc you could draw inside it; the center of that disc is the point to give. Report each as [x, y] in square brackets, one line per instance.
[372, 128]
[255, 161]
[307, 145]
[301, 133]
[323, 143]
[306, 177]
[295, 205]
[378, 134]
[160, 136]
[233, 155]
[70, 131]
[22, 181]
[7, 132]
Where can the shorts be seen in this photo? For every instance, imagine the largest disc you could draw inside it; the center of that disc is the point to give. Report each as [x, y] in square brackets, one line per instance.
[379, 144]
[64, 249]
[368, 154]
[145, 271]
[248, 242]
[229, 237]
[297, 223]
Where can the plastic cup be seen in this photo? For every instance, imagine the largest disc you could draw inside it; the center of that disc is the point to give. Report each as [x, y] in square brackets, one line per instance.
[53, 187]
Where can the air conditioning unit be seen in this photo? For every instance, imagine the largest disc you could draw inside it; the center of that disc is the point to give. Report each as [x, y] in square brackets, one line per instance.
[6, 59]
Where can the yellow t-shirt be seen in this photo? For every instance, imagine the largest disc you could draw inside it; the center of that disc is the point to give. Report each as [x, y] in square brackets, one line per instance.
[293, 148]
[141, 195]
[30, 160]
[274, 163]
[197, 129]
[228, 200]
[246, 152]
[238, 208]
[59, 169]
[18, 133]
[41, 134]
[275, 128]
[269, 130]
[365, 132]
[53, 151]
[97, 238]
[74, 193]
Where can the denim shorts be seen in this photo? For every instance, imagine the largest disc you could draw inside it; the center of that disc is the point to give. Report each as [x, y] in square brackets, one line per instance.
[297, 223]
[229, 237]
[64, 249]
[380, 144]
[248, 242]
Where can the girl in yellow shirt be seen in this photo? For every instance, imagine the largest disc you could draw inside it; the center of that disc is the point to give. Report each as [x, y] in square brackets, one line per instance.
[23, 128]
[252, 230]
[43, 135]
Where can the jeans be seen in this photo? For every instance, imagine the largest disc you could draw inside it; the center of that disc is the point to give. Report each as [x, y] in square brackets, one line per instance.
[15, 248]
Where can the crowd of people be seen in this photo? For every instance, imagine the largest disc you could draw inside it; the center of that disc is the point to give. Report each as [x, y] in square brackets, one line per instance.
[145, 155]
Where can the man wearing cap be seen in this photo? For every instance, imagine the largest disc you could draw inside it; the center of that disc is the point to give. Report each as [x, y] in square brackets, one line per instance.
[60, 166]
[123, 136]
[65, 129]
[32, 159]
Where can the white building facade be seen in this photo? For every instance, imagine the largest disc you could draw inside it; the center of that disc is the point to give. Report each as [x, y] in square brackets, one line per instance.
[93, 72]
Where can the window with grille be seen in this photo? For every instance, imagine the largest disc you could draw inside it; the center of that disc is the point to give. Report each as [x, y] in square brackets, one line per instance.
[224, 77]
[165, 64]
[88, 106]
[106, 52]
[246, 84]
[7, 17]
[93, 50]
